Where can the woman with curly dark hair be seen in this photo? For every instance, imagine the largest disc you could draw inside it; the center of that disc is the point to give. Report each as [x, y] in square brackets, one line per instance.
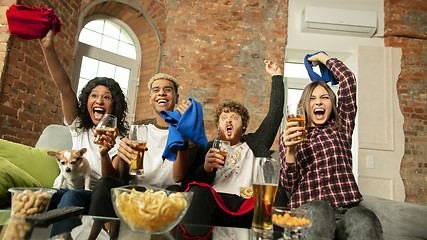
[100, 96]
[119, 104]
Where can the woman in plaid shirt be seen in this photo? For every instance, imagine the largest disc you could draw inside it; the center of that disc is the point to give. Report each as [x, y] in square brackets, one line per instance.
[318, 172]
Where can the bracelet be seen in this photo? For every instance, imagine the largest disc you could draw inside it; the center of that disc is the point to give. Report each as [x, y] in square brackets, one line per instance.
[184, 147]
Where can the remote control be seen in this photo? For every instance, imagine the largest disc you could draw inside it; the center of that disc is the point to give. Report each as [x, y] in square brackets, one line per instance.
[55, 215]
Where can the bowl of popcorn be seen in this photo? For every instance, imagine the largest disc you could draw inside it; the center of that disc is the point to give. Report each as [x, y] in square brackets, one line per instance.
[150, 209]
[29, 201]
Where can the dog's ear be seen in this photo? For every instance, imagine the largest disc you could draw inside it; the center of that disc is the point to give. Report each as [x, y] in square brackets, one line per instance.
[81, 152]
[53, 154]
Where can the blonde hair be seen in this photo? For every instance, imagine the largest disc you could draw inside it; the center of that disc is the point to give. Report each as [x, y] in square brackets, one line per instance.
[163, 76]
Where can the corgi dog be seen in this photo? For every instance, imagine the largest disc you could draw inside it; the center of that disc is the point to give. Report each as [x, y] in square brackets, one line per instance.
[74, 168]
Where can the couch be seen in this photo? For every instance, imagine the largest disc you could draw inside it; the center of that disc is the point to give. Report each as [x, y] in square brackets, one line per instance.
[22, 165]
[25, 166]
[399, 220]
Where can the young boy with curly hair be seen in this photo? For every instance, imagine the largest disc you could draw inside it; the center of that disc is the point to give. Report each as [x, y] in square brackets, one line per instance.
[217, 198]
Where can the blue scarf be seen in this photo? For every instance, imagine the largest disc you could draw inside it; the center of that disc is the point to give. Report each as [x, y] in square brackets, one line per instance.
[189, 125]
[326, 74]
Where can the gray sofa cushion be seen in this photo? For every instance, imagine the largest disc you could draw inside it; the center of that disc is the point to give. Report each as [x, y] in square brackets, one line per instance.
[399, 220]
[55, 137]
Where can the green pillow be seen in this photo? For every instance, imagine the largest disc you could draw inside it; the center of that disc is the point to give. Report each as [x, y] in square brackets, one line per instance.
[33, 161]
[4, 216]
[12, 176]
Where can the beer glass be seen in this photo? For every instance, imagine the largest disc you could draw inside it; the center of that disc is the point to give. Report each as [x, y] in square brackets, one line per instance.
[265, 180]
[138, 134]
[295, 113]
[223, 147]
[107, 124]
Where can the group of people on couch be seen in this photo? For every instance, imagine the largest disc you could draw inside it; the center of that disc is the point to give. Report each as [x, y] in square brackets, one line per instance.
[317, 173]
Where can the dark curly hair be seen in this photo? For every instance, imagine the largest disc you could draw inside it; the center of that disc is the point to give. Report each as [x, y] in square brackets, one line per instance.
[229, 105]
[120, 106]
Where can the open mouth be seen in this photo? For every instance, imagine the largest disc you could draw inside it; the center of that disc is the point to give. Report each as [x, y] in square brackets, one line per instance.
[98, 113]
[162, 102]
[229, 129]
[319, 113]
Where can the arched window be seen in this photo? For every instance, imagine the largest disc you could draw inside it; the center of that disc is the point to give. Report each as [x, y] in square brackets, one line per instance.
[107, 47]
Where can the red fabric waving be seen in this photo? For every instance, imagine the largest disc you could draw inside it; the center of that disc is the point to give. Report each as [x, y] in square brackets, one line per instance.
[31, 22]
[247, 206]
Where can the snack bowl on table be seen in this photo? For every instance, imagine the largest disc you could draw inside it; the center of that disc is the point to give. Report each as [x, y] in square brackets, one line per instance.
[29, 201]
[150, 209]
[293, 221]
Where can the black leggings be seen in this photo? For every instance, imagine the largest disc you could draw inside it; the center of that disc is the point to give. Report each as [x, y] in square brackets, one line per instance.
[205, 210]
[101, 204]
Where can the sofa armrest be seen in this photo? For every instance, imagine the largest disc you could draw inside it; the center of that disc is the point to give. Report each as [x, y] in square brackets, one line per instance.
[55, 137]
[399, 220]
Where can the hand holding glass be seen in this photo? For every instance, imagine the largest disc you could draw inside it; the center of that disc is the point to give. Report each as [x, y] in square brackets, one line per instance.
[107, 124]
[138, 134]
[223, 147]
[295, 113]
[265, 180]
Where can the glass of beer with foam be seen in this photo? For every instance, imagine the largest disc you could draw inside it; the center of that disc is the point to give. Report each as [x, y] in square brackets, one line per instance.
[265, 180]
[295, 113]
[139, 135]
[108, 123]
[223, 147]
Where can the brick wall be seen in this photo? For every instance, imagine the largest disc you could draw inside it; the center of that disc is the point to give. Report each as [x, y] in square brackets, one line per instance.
[215, 55]
[215, 49]
[405, 28]
[29, 99]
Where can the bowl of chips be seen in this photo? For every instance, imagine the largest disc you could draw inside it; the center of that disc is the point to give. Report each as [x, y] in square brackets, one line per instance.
[150, 209]
[29, 201]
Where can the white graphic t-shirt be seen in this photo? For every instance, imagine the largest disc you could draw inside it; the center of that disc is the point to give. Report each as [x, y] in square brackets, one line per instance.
[237, 170]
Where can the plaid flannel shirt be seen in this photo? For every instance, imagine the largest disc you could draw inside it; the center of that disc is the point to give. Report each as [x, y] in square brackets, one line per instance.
[323, 167]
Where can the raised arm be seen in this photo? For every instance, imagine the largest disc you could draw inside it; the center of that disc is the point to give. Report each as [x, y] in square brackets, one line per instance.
[346, 105]
[319, 58]
[267, 131]
[60, 77]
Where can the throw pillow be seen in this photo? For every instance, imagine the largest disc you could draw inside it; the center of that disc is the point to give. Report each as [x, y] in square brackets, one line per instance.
[33, 161]
[12, 176]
